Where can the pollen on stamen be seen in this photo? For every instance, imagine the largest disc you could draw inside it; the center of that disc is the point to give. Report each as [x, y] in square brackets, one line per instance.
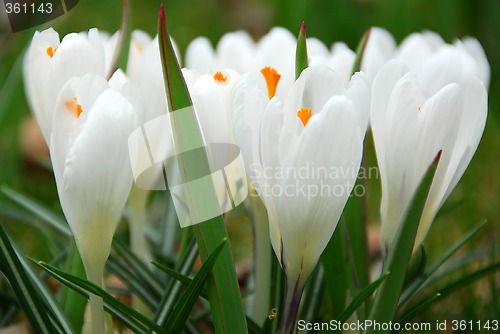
[419, 108]
[304, 114]
[272, 77]
[73, 106]
[50, 51]
[220, 78]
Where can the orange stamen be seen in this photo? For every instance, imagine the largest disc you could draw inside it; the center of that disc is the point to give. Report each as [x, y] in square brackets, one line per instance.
[220, 78]
[73, 106]
[138, 46]
[272, 77]
[304, 115]
[50, 51]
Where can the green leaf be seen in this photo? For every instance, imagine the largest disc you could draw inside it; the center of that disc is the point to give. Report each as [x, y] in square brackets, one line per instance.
[301, 59]
[461, 282]
[185, 304]
[174, 287]
[130, 317]
[273, 319]
[421, 280]
[139, 268]
[253, 327]
[53, 219]
[29, 297]
[419, 308]
[225, 299]
[133, 284]
[361, 298]
[120, 54]
[387, 297]
[335, 273]
[360, 50]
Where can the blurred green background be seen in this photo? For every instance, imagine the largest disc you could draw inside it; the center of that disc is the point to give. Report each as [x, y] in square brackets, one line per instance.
[477, 195]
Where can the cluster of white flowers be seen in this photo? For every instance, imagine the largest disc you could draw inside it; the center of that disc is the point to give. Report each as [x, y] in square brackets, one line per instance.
[420, 98]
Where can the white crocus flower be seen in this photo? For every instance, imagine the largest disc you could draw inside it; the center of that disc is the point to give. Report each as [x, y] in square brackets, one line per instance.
[317, 131]
[411, 125]
[50, 63]
[89, 154]
[436, 62]
[273, 55]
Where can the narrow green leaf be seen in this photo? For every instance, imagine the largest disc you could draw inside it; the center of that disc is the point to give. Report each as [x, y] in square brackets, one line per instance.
[133, 284]
[225, 299]
[273, 319]
[174, 287]
[355, 223]
[120, 54]
[138, 267]
[361, 298]
[461, 282]
[360, 50]
[420, 281]
[419, 308]
[301, 58]
[29, 297]
[253, 327]
[185, 304]
[335, 274]
[113, 305]
[387, 297]
[72, 302]
[53, 219]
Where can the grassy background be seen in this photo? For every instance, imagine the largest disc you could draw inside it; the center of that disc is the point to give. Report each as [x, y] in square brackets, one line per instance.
[329, 20]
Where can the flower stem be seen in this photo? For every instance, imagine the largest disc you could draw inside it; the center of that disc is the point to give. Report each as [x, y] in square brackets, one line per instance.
[95, 272]
[137, 205]
[262, 260]
[293, 294]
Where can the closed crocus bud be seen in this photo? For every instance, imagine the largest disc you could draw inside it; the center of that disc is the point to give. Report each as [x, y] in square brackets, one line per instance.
[303, 156]
[411, 125]
[50, 63]
[89, 153]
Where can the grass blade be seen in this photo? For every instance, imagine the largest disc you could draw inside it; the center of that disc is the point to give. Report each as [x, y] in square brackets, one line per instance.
[29, 297]
[185, 304]
[387, 297]
[361, 298]
[122, 311]
[225, 299]
[420, 281]
[53, 219]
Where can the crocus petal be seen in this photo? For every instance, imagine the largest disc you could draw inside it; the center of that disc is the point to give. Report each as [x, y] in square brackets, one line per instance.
[200, 55]
[36, 76]
[90, 155]
[379, 49]
[235, 51]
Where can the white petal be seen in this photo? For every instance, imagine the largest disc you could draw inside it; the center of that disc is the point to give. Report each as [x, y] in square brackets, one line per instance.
[235, 50]
[379, 49]
[36, 77]
[200, 55]
[475, 49]
[342, 60]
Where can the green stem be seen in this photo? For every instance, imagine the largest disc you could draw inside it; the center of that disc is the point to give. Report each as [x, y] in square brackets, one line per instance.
[262, 259]
[293, 295]
[95, 271]
[137, 205]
